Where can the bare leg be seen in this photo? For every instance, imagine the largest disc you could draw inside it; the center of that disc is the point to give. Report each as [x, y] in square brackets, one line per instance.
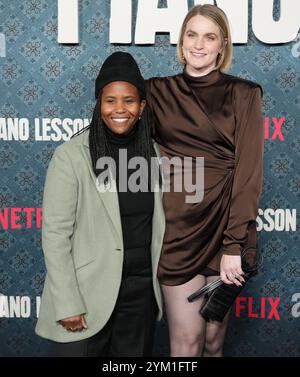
[215, 332]
[186, 326]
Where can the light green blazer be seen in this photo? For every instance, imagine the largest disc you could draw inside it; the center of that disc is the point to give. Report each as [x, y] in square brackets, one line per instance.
[83, 244]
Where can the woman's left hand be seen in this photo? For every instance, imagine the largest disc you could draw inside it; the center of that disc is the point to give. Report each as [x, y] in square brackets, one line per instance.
[75, 323]
[231, 270]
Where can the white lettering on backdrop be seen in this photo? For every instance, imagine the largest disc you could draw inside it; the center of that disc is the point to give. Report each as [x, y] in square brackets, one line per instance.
[151, 19]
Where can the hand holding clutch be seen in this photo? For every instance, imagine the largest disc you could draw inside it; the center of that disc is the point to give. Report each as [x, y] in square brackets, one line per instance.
[220, 296]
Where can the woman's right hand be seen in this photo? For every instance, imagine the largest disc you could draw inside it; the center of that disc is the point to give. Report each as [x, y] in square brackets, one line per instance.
[75, 323]
[231, 270]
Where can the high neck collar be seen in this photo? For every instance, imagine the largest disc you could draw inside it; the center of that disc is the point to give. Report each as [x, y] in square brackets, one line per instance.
[117, 139]
[202, 81]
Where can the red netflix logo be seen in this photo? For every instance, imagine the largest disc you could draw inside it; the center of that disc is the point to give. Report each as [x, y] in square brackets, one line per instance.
[277, 132]
[18, 218]
[268, 307]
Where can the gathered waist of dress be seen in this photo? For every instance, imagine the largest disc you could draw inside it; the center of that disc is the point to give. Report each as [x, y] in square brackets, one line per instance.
[225, 162]
[219, 164]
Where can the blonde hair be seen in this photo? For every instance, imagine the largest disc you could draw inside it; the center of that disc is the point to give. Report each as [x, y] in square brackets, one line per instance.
[216, 15]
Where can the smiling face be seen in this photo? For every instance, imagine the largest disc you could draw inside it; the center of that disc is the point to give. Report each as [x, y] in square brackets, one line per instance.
[121, 106]
[202, 42]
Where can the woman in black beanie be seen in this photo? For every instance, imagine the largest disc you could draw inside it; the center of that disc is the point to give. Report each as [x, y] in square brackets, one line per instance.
[102, 246]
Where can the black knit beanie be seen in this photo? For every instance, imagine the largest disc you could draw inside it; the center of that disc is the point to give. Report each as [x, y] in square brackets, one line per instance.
[120, 66]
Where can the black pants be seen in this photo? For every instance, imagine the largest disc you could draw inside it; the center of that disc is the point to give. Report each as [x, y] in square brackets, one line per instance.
[130, 330]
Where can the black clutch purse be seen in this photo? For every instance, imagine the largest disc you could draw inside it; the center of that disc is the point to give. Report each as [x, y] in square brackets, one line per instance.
[219, 295]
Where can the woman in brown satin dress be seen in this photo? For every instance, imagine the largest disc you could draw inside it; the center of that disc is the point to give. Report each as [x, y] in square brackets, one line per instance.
[204, 112]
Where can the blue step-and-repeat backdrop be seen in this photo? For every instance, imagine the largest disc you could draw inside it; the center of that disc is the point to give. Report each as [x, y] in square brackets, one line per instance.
[47, 93]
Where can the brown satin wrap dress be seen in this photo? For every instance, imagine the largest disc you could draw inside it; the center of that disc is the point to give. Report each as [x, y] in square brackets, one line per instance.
[218, 117]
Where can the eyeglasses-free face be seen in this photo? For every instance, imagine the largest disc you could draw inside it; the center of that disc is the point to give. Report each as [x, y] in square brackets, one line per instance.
[202, 42]
[121, 106]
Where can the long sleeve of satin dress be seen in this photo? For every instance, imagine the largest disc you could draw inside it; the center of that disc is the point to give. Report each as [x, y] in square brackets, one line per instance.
[217, 117]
